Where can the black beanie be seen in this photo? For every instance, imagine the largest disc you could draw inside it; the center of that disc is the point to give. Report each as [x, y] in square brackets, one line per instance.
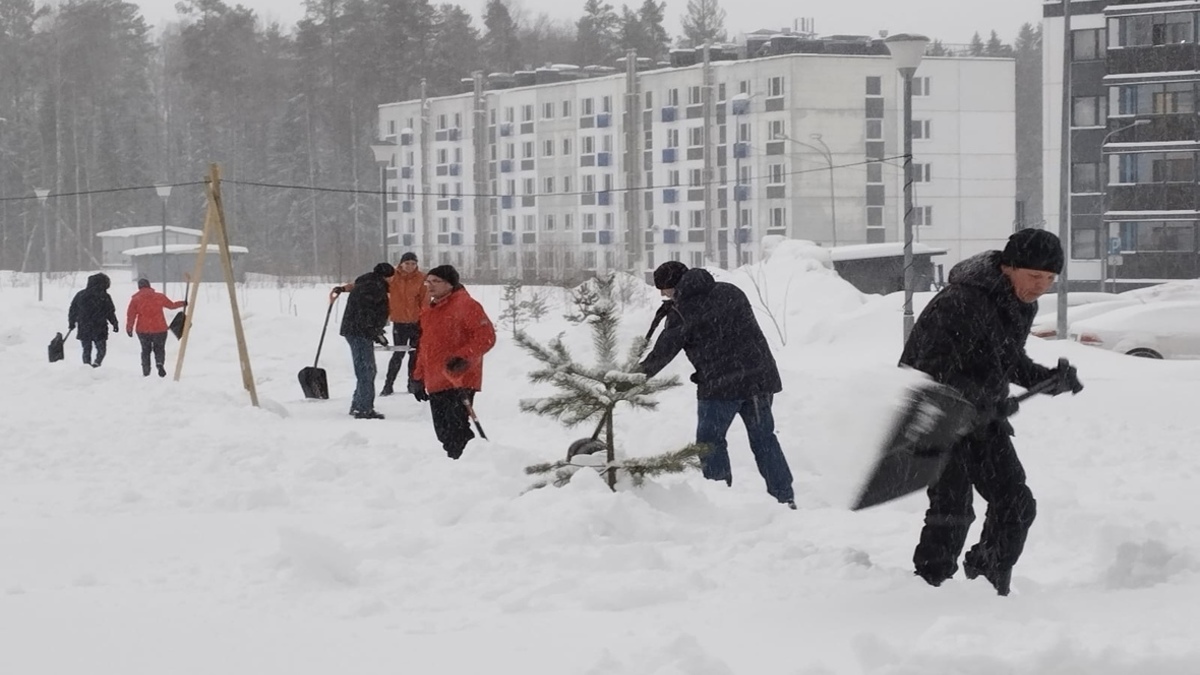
[143, 283]
[384, 270]
[1034, 250]
[446, 273]
[408, 255]
[668, 274]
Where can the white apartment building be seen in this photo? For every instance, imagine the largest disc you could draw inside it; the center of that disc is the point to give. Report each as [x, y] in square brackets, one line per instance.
[808, 146]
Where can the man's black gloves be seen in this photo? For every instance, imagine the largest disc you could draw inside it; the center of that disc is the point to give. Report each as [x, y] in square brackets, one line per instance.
[381, 339]
[1067, 379]
[417, 389]
[1007, 407]
[456, 364]
[338, 290]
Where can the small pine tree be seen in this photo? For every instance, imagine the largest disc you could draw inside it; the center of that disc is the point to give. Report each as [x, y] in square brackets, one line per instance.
[593, 392]
[515, 313]
[536, 306]
[588, 295]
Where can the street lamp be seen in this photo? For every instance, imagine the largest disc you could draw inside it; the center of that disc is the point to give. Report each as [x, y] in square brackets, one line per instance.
[1104, 204]
[384, 153]
[42, 193]
[827, 155]
[907, 49]
[164, 191]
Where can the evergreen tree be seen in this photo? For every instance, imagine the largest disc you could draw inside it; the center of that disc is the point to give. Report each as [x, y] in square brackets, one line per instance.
[996, 47]
[597, 37]
[514, 312]
[546, 40]
[937, 48]
[500, 46]
[454, 50]
[651, 16]
[704, 22]
[976, 48]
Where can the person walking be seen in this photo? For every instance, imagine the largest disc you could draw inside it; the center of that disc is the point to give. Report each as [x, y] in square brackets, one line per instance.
[971, 337]
[455, 334]
[363, 325]
[713, 323]
[407, 296]
[91, 311]
[145, 317]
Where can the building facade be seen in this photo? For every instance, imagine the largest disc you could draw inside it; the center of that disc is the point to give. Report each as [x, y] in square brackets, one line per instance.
[1133, 133]
[698, 163]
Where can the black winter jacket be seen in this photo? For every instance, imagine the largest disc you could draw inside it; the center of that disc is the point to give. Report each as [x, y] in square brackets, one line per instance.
[972, 335]
[367, 308]
[713, 323]
[92, 310]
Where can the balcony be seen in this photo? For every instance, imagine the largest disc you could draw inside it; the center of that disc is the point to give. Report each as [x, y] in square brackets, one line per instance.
[670, 195]
[406, 138]
[670, 236]
[603, 120]
[604, 198]
[668, 155]
[605, 237]
[456, 204]
[740, 106]
[507, 238]
[456, 238]
[669, 113]
[743, 235]
[406, 240]
[453, 134]
[506, 201]
[406, 206]
[1152, 59]
[506, 129]
[1153, 197]
[406, 172]
[455, 169]
[741, 150]
[506, 166]
[741, 193]
[603, 159]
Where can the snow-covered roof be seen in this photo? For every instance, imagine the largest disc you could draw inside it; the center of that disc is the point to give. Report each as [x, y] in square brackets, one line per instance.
[177, 249]
[889, 249]
[149, 229]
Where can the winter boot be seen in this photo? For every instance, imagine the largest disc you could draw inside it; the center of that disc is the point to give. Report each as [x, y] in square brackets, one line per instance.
[367, 415]
[931, 578]
[387, 389]
[999, 577]
[162, 372]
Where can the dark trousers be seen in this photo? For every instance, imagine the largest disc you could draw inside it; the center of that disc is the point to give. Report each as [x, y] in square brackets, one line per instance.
[987, 462]
[713, 421]
[101, 350]
[403, 333]
[450, 420]
[362, 354]
[153, 342]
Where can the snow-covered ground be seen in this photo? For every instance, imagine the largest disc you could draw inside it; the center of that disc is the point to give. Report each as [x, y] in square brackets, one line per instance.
[160, 527]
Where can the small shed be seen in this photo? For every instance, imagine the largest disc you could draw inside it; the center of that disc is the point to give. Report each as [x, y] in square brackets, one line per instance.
[879, 268]
[114, 243]
[147, 262]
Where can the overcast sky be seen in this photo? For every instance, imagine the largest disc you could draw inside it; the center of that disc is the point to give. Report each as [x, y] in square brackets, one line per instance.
[952, 21]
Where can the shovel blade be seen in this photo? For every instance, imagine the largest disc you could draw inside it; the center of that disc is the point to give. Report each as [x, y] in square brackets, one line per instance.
[314, 382]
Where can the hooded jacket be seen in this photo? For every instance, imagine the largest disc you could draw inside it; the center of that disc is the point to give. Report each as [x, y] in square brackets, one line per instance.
[367, 307]
[972, 334]
[713, 323]
[145, 313]
[407, 296]
[92, 310]
[454, 326]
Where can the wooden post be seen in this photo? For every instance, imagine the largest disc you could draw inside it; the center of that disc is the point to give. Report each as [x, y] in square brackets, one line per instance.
[214, 198]
[197, 273]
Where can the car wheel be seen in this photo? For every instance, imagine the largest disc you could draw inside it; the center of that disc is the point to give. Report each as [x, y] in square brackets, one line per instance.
[1144, 353]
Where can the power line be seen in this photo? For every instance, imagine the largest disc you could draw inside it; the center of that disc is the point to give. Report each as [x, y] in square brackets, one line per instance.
[59, 195]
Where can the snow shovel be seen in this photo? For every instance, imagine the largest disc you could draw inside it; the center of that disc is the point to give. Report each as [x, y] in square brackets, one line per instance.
[56, 346]
[177, 322]
[312, 379]
[934, 419]
[466, 401]
[590, 446]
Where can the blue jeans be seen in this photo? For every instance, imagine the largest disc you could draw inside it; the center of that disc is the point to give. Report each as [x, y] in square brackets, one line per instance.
[362, 353]
[714, 419]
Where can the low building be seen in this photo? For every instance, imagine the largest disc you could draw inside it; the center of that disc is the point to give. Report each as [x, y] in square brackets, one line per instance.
[147, 262]
[114, 243]
[879, 268]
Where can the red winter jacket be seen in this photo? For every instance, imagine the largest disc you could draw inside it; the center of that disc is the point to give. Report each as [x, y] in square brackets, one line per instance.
[456, 325]
[145, 313]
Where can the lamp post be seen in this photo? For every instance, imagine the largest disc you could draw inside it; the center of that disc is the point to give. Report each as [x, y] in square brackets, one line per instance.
[907, 49]
[42, 193]
[384, 154]
[827, 155]
[1104, 203]
[164, 191]
[739, 110]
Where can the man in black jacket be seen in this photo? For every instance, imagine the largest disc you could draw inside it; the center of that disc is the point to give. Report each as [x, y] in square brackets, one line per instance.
[363, 324]
[972, 337]
[712, 322]
[92, 310]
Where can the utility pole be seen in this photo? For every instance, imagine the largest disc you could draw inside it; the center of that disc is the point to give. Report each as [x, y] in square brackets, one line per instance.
[426, 189]
[482, 202]
[635, 241]
[706, 94]
[1064, 174]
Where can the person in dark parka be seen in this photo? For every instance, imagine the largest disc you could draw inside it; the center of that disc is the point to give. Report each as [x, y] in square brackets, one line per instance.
[972, 337]
[92, 310]
[363, 325]
[713, 324]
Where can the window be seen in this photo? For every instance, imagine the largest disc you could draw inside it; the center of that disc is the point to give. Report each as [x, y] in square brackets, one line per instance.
[587, 107]
[696, 220]
[511, 224]
[777, 129]
[694, 95]
[649, 100]
[875, 172]
[566, 183]
[527, 149]
[1159, 236]
[921, 173]
[457, 120]
[606, 104]
[529, 187]
[874, 130]
[566, 108]
[1087, 45]
[589, 260]
[547, 111]
[587, 145]
[568, 223]
[548, 148]
[922, 216]
[874, 86]
[697, 258]
[527, 113]
[744, 86]
[566, 147]
[921, 86]
[589, 183]
[1088, 111]
[510, 151]
[673, 219]
[695, 137]
[441, 122]
[1152, 167]
[443, 224]
[778, 218]
[920, 130]
[775, 87]
[508, 114]
[775, 174]
[721, 92]
[649, 139]
[1085, 243]
[550, 222]
[443, 156]
[672, 97]
[606, 146]
[1085, 178]
[1153, 99]
[743, 132]
[549, 185]
[673, 178]
[589, 221]
[696, 177]
[529, 223]
[608, 221]
[1152, 29]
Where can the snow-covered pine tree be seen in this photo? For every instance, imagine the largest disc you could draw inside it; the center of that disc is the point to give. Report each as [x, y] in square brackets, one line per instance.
[586, 295]
[591, 393]
[514, 312]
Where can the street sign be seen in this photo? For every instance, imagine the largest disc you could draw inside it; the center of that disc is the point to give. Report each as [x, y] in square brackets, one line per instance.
[1114, 246]
[1115, 261]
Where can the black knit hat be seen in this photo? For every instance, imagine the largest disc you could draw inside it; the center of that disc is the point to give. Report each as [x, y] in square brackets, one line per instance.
[446, 273]
[143, 283]
[408, 255]
[384, 270]
[668, 274]
[1034, 250]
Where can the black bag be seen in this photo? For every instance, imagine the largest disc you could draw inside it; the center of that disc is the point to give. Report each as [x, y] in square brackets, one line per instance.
[56, 346]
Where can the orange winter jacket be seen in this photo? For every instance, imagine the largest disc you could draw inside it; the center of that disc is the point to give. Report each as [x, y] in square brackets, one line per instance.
[145, 313]
[454, 326]
[407, 296]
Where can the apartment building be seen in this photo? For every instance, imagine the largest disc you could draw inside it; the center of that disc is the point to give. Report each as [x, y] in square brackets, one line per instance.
[624, 170]
[1133, 132]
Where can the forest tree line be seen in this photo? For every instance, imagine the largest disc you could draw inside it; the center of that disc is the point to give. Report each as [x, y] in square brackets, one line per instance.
[93, 101]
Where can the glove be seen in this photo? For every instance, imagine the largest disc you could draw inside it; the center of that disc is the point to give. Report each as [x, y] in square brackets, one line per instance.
[381, 339]
[338, 290]
[1007, 407]
[621, 387]
[116, 328]
[1068, 380]
[129, 333]
[70, 327]
[417, 389]
[456, 364]
[184, 305]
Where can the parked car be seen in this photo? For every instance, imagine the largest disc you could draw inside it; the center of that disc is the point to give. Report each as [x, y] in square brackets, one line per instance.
[1159, 330]
[1087, 305]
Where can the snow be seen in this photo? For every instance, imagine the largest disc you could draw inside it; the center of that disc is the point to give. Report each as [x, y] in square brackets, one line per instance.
[153, 526]
[180, 248]
[891, 249]
[148, 229]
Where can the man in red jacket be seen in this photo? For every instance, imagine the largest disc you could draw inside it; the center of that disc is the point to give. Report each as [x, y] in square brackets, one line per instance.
[455, 334]
[145, 316]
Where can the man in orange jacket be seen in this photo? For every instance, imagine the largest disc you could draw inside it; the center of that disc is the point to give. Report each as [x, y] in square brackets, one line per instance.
[407, 296]
[145, 316]
[455, 334]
